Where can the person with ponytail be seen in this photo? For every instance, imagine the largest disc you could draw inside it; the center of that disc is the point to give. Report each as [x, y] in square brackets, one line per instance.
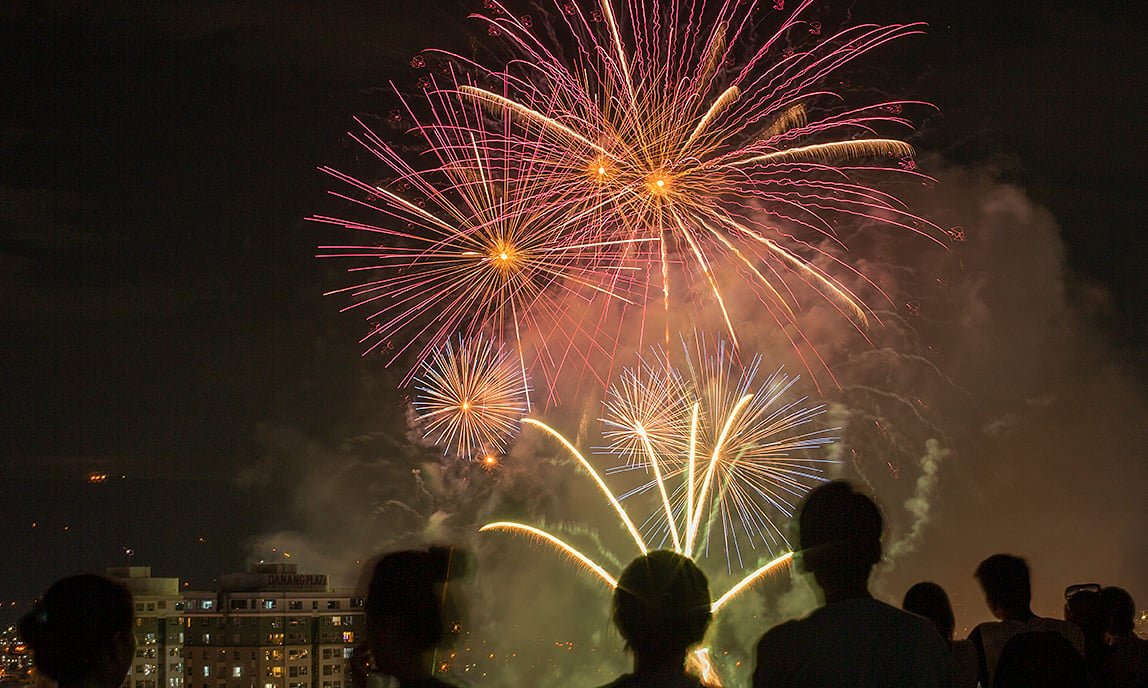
[80, 632]
[406, 599]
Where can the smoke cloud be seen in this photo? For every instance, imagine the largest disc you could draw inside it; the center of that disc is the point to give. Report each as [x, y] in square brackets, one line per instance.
[984, 413]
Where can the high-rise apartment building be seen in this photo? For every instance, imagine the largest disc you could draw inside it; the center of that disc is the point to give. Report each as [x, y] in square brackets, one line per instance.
[159, 622]
[272, 627]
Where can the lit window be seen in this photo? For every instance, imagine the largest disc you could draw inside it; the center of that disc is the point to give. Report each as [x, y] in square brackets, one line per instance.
[348, 636]
[208, 604]
[206, 670]
[237, 671]
[334, 621]
[268, 604]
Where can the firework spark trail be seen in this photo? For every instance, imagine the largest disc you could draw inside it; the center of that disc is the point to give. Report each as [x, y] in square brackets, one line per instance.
[647, 131]
[466, 248]
[597, 479]
[557, 542]
[471, 398]
[757, 448]
[750, 579]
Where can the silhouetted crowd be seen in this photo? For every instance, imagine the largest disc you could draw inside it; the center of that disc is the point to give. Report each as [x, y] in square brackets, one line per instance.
[80, 632]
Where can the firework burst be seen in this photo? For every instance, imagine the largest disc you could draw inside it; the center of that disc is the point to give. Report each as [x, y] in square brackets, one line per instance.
[724, 452]
[739, 446]
[464, 247]
[471, 399]
[737, 166]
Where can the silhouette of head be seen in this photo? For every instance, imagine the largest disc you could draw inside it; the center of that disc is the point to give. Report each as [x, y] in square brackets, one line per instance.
[80, 633]
[662, 605]
[1119, 610]
[1085, 608]
[1042, 659]
[839, 532]
[930, 601]
[1005, 581]
[404, 604]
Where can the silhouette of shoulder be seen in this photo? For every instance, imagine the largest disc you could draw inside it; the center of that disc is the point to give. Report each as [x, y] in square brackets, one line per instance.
[990, 637]
[654, 681]
[850, 643]
[426, 683]
[1127, 666]
[964, 654]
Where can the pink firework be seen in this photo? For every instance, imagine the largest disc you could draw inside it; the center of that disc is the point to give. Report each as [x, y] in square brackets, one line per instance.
[653, 123]
[470, 245]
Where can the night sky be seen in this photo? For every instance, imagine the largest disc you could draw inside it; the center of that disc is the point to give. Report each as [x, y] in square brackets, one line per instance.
[162, 317]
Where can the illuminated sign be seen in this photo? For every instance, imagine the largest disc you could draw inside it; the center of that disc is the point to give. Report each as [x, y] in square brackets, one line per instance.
[296, 580]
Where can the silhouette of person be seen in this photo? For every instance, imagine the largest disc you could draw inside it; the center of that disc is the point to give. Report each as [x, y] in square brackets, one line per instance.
[1084, 607]
[404, 610]
[930, 601]
[1039, 659]
[80, 633]
[853, 639]
[1127, 666]
[662, 609]
[1004, 578]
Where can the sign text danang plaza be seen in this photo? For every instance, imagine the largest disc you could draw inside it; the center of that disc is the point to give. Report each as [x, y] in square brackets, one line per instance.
[295, 580]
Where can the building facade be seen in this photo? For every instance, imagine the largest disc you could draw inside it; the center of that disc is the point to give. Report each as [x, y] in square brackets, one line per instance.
[159, 622]
[271, 627]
